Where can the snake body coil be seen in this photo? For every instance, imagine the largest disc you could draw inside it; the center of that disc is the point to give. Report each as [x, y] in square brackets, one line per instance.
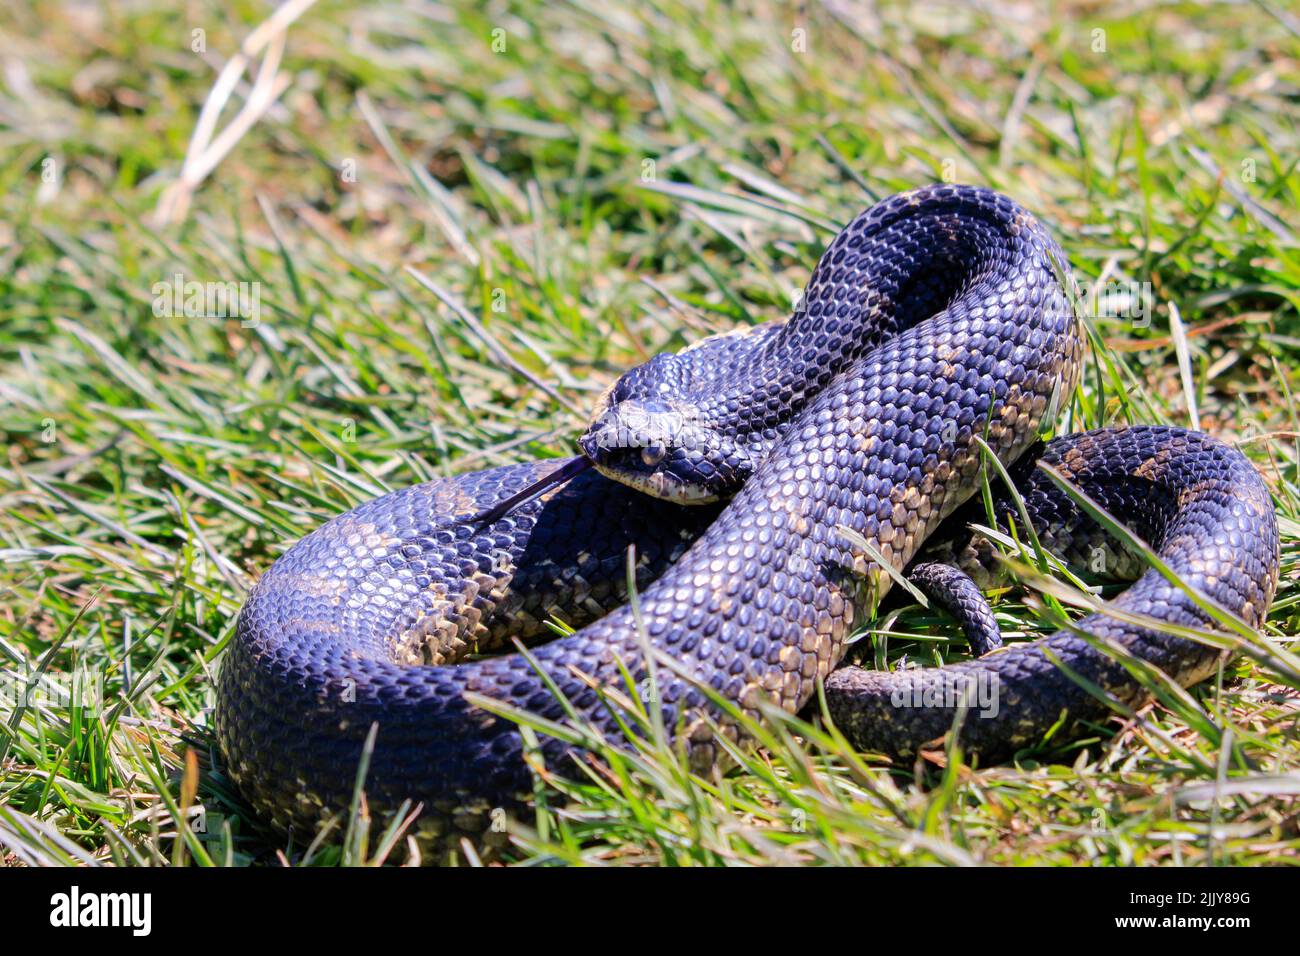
[935, 319]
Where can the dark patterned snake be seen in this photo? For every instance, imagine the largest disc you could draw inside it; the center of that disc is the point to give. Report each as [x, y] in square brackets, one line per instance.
[937, 318]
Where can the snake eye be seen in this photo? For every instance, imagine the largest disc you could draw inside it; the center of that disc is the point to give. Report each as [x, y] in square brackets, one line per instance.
[653, 454]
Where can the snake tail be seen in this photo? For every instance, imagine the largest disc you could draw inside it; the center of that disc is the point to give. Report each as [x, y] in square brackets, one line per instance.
[1207, 514]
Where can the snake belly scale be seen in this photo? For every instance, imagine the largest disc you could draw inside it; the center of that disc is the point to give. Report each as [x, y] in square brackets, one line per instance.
[937, 318]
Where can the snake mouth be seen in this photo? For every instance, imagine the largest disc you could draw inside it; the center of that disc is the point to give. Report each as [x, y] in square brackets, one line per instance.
[560, 476]
[661, 485]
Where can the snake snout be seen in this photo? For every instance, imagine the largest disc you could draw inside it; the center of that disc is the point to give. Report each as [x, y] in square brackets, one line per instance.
[597, 446]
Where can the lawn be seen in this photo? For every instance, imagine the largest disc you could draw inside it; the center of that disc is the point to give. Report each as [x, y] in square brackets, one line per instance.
[454, 224]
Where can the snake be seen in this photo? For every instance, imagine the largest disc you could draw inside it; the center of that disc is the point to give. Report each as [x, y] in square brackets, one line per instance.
[736, 513]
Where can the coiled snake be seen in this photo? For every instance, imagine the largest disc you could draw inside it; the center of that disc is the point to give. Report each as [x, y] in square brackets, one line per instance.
[936, 319]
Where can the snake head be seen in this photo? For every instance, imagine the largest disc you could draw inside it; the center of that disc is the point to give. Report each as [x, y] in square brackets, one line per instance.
[657, 445]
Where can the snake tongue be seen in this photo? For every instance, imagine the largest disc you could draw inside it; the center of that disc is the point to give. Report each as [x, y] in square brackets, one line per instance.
[559, 476]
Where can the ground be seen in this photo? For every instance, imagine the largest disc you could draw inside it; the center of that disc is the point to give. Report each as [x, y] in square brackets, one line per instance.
[454, 225]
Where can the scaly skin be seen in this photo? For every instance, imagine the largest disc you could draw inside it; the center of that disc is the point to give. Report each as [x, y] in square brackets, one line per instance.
[935, 317]
[1197, 502]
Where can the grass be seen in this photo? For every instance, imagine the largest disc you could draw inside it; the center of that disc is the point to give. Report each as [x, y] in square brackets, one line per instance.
[460, 236]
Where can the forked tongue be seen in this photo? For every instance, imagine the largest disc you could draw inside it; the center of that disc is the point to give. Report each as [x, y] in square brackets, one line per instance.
[559, 476]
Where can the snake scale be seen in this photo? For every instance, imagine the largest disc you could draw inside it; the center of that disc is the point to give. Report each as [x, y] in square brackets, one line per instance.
[937, 318]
